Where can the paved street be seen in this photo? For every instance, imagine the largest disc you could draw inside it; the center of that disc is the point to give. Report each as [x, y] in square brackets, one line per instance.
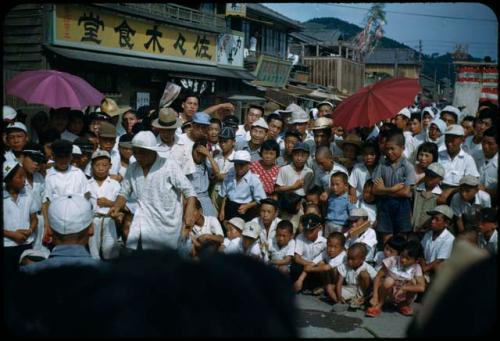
[318, 321]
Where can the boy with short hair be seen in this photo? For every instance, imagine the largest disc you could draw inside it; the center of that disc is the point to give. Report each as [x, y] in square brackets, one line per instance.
[62, 179]
[339, 205]
[368, 202]
[103, 193]
[308, 245]
[107, 140]
[355, 277]
[267, 220]
[362, 171]
[282, 248]
[466, 203]
[392, 180]
[292, 137]
[425, 196]
[296, 177]
[223, 160]
[488, 224]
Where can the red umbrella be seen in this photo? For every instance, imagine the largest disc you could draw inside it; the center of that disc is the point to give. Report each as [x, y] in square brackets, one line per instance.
[54, 89]
[376, 102]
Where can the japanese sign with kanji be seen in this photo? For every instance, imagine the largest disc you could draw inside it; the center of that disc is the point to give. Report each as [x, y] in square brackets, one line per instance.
[92, 28]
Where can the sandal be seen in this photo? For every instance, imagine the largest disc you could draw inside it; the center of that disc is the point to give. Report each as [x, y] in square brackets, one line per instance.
[357, 303]
[373, 312]
[406, 310]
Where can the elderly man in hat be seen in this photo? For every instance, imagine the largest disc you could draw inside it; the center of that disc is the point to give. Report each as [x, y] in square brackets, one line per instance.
[70, 220]
[159, 185]
[166, 125]
[300, 122]
[258, 134]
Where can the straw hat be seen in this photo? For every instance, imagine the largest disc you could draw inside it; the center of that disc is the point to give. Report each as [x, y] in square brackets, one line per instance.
[350, 139]
[110, 107]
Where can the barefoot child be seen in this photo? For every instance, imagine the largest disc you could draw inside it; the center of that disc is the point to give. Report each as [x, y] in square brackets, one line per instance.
[282, 248]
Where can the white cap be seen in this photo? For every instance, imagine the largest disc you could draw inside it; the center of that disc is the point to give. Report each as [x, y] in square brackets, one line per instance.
[358, 213]
[443, 209]
[260, 123]
[455, 129]
[326, 102]
[405, 112]
[237, 222]
[17, 125]
[9, 113]
[251, 229]
[70, 214]
[298, 114]
[8, 166]
[452, 109]
[436, 168]
[241, 156]
[429, 111]
[42, 253]
[100, 153]
[145, 140]
[76, 150]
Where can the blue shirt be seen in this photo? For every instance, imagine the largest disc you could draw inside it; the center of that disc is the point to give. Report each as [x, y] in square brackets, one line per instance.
[248, 189]
[339, 208]
[394, 173]
[200, 178]
[63, 255]
[245, 145]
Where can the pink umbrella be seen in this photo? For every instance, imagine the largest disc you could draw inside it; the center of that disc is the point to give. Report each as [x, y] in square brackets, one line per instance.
[54, 89]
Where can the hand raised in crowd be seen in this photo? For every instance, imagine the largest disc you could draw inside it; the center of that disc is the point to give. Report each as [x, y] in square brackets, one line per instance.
[203, 150]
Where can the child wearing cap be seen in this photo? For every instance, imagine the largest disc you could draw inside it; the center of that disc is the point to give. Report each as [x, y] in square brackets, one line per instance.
[425, 196]
[62, 179]
[234, 228]
[258, 133]
[206, 229]
[223, 160]
[19, 215]
[488, 225]
[360, 231]
[266, 168]
[355, 277]
[282, 247]
[103, 193]
[339, 206]
[267, 220]
[250, 245]
[398, 281]
[437, 243]
[308, 245]
[467, 202]
[241, 190]
[402, 120]
[327, 262]
[126, 153]
[296, 177]
[107, 140]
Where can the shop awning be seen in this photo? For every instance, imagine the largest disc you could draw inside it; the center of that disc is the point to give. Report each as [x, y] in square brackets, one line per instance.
[148, 63]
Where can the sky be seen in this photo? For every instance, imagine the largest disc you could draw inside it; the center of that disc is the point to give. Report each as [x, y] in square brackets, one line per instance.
[433, 23]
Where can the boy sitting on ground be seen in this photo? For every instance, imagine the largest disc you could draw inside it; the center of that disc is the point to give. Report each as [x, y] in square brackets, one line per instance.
[360, 232]
[282, 248]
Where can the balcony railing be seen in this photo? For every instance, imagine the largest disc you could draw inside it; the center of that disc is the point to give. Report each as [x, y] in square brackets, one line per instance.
[173, 13]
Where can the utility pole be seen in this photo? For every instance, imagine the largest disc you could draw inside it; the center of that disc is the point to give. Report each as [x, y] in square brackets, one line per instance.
[396, 63]
[420, 51]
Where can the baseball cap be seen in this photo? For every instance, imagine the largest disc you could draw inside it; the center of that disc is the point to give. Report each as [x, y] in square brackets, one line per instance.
[260, 123]
[435, 169]
[488, 214]
[322, 123]
[251, 229]
[469, 180]
[310, 221]
[100, 153]
[76, 150]
[201, 118]
[237, 222]
[9, 113]
[146, 140]
[70, 214]
[443, 209]
[357, 213]
[301, 146]
[16, 126]
[455, 129]
[227, 133]
[61, 147]
[34, 152]
[241, 156]
[9, 166]
[230, 121]
[107, 129]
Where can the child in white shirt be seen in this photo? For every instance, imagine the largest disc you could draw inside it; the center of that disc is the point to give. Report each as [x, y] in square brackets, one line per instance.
[398, 281]
[392, 247]
[368, 203]
[357, 218]
[103, 193]
[282, 248]
[488, 224]
[234, 227]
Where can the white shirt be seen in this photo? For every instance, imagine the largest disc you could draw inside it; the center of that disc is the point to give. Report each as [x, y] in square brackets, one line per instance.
[462, 164]
[182, 152]
[436, 190]
[287, 176]
[459, 207]
[210, 226]
[398, 272]
[158, 217]
[359, 176]
[440, 248]
[242, 134]
[224, 166]
[177, 152]
[109, 189]
[470, 147]
[369, 238]
[265, 237]
[351, 275]
[232, 245]
[115, 162]
[333, 262]
[9, 156]
[71, 181]
[490, 245]
[16, 215]
[371, 209]
[488, 171]
[322, 178]
[277, 253]
[37, 189]
[307, 249]
[410, 144]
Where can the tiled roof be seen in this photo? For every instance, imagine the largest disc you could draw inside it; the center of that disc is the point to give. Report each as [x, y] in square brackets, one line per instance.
[389, 55]
[273, 14]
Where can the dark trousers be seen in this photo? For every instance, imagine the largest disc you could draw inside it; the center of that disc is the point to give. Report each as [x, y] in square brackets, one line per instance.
[231, 211]
[11, 256]
[312, 281]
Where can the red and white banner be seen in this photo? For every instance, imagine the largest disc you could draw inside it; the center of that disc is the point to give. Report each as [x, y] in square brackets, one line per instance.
[485, 76]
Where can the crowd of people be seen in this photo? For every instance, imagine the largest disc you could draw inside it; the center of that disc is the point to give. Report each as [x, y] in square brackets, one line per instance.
[364, 217]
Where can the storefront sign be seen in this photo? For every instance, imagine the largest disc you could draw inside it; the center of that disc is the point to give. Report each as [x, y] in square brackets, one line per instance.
[197, 86]
[236, 9]
[272, 72]
[95, 29]
[230, 50]
[142, 99]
